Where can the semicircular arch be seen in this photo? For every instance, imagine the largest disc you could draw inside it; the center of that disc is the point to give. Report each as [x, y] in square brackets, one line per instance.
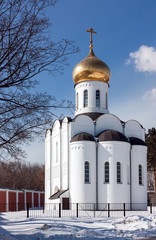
[82, 123]
[56, 126]
[134, 129]
[108, 121]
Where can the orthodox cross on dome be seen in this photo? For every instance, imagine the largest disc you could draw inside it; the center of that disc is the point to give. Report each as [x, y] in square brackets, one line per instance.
[91, 40]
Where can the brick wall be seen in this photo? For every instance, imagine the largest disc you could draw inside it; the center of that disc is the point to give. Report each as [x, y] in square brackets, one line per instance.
[16, 200]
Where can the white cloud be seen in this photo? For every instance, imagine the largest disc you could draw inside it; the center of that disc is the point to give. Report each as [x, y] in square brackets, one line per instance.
[150, 95]
[144, 59]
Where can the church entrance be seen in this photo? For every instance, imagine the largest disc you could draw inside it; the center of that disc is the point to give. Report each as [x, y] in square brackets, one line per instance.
[65, 203]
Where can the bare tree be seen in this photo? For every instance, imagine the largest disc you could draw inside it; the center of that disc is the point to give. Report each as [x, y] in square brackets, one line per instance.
[150, 180]
[151, 153]
[25, 51]
[19, 175]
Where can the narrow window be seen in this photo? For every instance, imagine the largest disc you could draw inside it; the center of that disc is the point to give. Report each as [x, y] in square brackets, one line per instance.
[128, 174]
[86, 172]
[97, 98]
[85, 98]
[140, 174]
[56, 152]
[118, 172]
[106, 172]
[77, 101]
[106, 102]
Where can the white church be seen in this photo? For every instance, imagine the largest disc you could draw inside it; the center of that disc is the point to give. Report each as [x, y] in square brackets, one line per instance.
[95, 157]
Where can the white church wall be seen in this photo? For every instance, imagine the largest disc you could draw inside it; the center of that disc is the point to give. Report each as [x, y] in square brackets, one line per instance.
[113, 192]
[80, 191]
[64, 195]
[64, 176]
[55, 169]
[108, 121]
[47, 165]
[139, 191]
[91, 87]
[65, 153]
[82, 123]
[133, 129]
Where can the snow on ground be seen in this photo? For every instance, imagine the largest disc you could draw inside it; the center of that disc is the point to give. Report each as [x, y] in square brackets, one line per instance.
[18, 227]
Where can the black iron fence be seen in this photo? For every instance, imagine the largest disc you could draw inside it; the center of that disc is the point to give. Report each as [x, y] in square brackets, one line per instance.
[92, 210]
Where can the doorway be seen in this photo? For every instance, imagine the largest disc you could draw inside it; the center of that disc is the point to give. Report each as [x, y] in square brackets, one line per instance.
[65, 203]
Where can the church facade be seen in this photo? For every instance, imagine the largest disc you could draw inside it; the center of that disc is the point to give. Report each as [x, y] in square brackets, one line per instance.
[95, 157]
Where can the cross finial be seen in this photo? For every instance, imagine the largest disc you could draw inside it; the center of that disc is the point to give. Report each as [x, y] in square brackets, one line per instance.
[91, 40]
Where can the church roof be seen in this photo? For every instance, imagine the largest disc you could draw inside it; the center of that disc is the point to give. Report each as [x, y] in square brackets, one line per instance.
[83, 136]
[112, 135]
[95, 115]
[136, 141]
[57, 194]
[92, 115]
[91, 68]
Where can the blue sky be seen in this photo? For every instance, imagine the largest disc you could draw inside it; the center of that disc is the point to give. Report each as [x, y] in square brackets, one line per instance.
[125, 40]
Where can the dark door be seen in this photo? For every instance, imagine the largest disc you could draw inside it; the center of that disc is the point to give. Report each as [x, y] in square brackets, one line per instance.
[65, 202]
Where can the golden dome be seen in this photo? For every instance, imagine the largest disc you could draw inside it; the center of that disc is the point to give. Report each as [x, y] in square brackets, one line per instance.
[91, 69]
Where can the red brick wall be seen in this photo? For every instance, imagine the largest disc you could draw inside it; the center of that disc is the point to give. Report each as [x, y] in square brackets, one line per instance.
[29, 198]
[35, 199]
[20, 201]
[21, 198]
[42, 199]
[2, 201]
[12, 201]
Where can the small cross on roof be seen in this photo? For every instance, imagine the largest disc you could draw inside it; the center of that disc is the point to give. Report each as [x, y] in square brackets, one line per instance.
[91, 32]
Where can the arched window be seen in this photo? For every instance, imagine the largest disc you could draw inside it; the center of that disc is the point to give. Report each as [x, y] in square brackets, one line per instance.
[106, 172]
[97, 98]
[140, 174]
[77, 101]
[118, 172]
[86, 172]
[85, 98]
[106, 101]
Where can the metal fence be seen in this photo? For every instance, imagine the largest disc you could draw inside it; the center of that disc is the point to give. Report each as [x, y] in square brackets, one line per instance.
[93, 210]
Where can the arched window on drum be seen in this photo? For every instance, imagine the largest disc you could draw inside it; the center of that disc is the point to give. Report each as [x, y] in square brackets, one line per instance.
[97, 98]
[106, 101]
[106, 172]
[86, 172]
[118, 172]
[85, 98]
[140, 174]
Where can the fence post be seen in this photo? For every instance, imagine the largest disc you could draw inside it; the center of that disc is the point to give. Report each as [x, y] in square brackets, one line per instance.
[77, 210]
[59, 209]
[94, 208]
[151, 208]
[108, 210]
[124, 209]
[27, 210]
[43, 208]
